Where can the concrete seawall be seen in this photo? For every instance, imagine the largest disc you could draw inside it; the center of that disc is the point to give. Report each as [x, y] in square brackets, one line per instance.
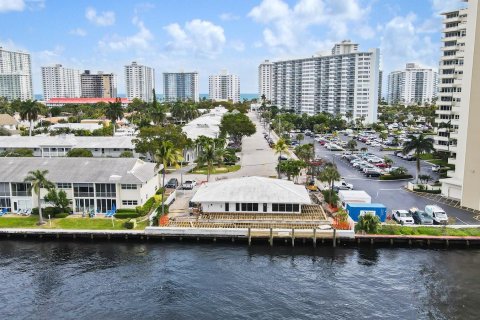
[272, 237]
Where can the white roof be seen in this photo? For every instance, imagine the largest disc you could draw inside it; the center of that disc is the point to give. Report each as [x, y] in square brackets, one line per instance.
[353, 194]
[71, 141]
[207, 125]
[76, 126]
[252, 190]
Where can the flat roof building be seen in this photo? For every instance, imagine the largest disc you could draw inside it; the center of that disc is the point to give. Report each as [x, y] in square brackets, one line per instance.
[180, 86]
[100, 85]
[139, 82]
[60, 82]
[15, 75]
[90, 183]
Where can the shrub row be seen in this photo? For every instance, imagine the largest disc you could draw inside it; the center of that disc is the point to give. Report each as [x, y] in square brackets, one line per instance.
[428, 191]
[54, 212]
[396, 177]
[130, 224]
[148, 205]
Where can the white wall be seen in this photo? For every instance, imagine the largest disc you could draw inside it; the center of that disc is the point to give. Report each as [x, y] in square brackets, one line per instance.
[220, 207]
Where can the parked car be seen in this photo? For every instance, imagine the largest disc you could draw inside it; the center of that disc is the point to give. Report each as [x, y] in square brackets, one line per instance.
[282, 158]
[438, 214]
[402, 217]
[420, 217]
[342, 185]
[172, 184]
[435, 168]
[189, 184]
[372, 173]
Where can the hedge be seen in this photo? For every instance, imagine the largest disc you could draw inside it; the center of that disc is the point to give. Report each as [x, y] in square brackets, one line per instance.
[148, 205]
[399, 177]
[52, 211]
[427, 191]
[131, 224]
[126, 215]
[61, 215]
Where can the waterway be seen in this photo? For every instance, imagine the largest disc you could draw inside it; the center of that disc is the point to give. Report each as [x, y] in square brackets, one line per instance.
[75, 280]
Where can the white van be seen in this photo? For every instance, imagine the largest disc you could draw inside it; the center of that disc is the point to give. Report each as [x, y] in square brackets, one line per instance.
[438, 214]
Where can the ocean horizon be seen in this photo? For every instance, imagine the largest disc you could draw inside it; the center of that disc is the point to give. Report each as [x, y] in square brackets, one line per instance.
[247, 96]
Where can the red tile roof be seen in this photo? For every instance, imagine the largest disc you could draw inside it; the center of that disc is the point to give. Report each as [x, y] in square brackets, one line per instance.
[85, 100]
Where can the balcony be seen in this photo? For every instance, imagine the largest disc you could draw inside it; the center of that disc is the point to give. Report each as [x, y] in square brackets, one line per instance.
[452, 161]
[441, 147]
[450, 173]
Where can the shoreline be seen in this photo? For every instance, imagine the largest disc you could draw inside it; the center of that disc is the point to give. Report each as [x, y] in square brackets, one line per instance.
[263, 237]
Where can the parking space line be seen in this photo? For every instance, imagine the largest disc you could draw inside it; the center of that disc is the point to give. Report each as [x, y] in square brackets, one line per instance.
[457, 218]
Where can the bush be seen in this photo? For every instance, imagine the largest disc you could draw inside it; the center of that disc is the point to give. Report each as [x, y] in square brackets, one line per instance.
[368, 223]
[126, 215]
[79, 153]
[397, 177]
[159, 191]
[131, 224]
[326, 196]
[427, 191]
[126, 211]
[148, 205]
[61, 215]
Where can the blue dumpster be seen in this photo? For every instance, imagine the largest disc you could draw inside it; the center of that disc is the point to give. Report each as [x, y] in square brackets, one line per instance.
[355, 210]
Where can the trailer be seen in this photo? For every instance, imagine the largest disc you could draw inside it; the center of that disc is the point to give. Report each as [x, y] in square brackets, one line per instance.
[353, 196]
[356, 210]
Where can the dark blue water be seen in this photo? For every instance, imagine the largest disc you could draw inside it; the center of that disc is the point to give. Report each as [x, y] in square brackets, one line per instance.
[62, 280]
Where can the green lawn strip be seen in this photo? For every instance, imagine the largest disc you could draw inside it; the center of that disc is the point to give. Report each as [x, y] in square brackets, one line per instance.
[217, 170]
[19, 222]
[426, 156]
[428, 231]
[69, 223]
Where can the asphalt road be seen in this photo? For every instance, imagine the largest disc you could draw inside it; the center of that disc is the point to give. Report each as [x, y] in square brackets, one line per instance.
[390, 193]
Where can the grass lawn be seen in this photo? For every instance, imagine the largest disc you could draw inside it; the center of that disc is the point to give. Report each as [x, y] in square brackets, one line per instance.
[426, 156]
[217, 170]
[428, 231]
[69, 223]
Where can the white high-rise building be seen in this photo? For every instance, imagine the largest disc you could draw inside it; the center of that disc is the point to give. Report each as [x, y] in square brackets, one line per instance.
[60, 82]
[100, 85]
[460, 99]
[414, 85]
[224, 87]
[181, 86]
[139, 82]
[265, 73]
[345, 81]
[15, 75]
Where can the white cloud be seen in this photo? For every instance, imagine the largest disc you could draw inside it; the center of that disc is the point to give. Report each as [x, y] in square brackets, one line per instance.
[228, 17]
[288, 27]
[200, 37]
[12, 5]
[78, 32]
[439, 6]
[105, 18]
[237, 45]
[140, 40]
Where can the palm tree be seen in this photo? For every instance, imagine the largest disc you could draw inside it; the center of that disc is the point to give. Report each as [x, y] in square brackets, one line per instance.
[29, 110]
[38, 181]
[300, 137]
[279, 148]
[418, 145]
[167, 154]
[208, 156]
[329, 174]
[387, 161]
[114, 112]
[352, 145]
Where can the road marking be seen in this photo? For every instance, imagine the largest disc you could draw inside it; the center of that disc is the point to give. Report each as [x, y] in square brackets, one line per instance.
[378, 191]
[460, 220]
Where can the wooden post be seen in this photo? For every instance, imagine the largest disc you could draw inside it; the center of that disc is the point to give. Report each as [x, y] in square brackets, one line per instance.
[271, 237]
[314, 237]
[334, 238]
[293, 237]
[249, 237]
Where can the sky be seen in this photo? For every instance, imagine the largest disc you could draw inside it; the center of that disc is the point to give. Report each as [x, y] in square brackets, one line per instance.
[211, 35]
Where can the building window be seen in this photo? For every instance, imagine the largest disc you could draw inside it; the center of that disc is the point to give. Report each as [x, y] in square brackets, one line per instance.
[248, 207]
[285, 207]
[21, 189]
[129, 186]
[83, 190]
[105, 190]
[227, 206]
[64, 185]
[129, 202]
[237, 206]
[265, 207]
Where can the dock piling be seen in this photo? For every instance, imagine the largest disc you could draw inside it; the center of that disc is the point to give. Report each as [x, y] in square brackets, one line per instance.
[334, 238]
[314, 237]
[271, 237]
[293, 237]
[249, 237]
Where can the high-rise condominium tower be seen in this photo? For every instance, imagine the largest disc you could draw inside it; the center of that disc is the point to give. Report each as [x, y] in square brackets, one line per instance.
[345, 81]
[100, 85]
[265, 73]
[224, 86]
[15, 75]
[180, 86]
[60, 82]
[139, 82]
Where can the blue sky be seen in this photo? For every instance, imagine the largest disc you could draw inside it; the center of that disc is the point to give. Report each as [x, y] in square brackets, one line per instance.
[211, 35]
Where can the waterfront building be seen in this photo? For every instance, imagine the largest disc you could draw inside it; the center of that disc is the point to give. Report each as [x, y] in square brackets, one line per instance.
[380, 84]
[90, 183]
[8, 122]
[180, 86]
[413, 85]
[252, 195]
[344, 81]
[224, 87]
[60, 82]
[265, 73]
[59, 145]
[458, 106]
[139, 82]
[15, 75]
[100, 85]
[60, 102]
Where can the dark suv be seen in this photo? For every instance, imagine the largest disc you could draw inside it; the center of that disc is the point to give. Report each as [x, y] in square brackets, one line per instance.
[172, 184]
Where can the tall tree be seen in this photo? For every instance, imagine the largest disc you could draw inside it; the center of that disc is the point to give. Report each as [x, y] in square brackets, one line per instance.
[237, 125]
[29, 110]
[150, 138]
[38, 181]
[329, 174]
[418, 145]
[167, 154]
[280, 147]
[208, 156]
[114, 112]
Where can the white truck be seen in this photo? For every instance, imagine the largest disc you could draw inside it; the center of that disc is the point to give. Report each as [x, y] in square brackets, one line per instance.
[342, 185]
[438, 214]
[353, 196]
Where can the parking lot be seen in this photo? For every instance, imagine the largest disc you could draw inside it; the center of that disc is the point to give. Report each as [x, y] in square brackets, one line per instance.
[390, 193]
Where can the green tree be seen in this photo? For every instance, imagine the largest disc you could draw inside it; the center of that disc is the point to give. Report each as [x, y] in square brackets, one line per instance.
[368, 223]
[300, 137]
[38, 181]
[58, 199]
[79, 153]
[291, 167]
[208, 157]
[237, 125]
[167, 155]
[21, 152]
[280, 147]
[29, 110]
[383, 136]
[126, 154]
[352, 145]
[387, 161]
[418, 145]
[150, 138]
[114, 112]
[329, 174]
